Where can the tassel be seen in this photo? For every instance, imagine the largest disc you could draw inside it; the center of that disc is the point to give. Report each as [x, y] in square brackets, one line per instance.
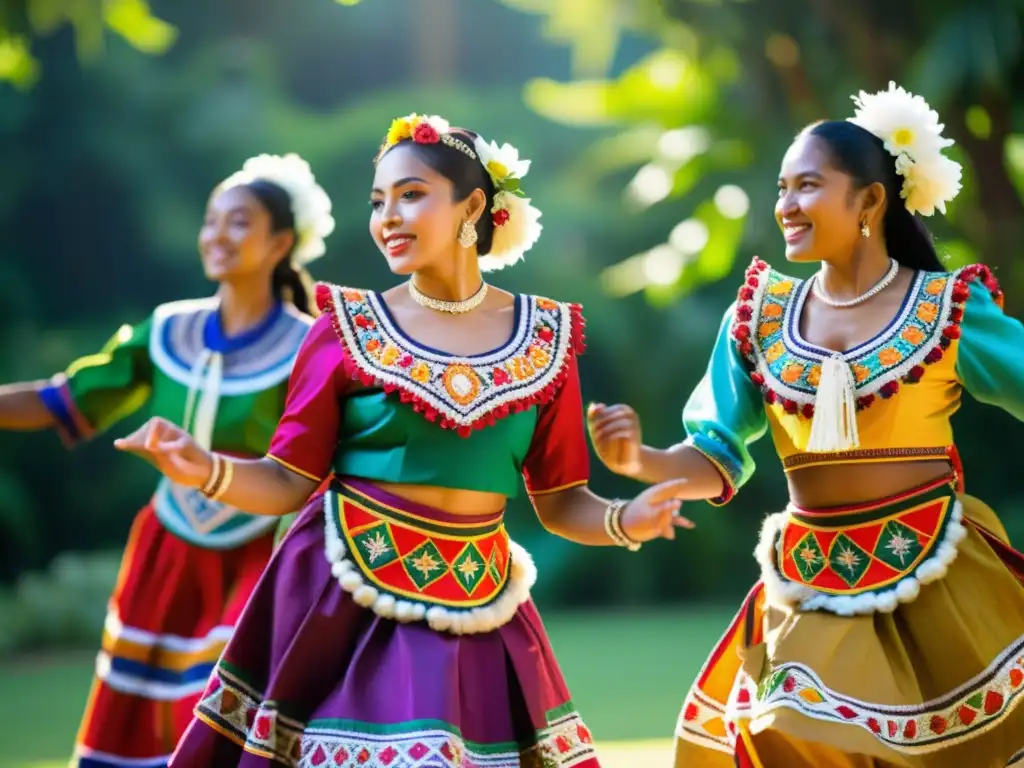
[834, 426]
[199, 419]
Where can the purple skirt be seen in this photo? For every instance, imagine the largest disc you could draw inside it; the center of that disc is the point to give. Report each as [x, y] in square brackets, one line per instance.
[312, 678]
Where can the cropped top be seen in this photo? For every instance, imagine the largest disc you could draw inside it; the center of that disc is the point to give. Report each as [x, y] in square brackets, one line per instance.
[949, 335]
[228, 391]
[367, 401]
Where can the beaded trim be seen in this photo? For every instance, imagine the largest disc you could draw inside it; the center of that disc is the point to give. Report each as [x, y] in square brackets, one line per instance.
[459, 393]
[798, 460]
[786, 369]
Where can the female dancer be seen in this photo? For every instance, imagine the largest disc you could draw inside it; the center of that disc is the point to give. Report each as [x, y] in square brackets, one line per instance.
[394, 624]
[219, 367]
[888, 625]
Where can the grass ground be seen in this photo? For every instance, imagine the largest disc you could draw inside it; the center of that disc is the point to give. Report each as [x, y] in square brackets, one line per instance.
[628, 674]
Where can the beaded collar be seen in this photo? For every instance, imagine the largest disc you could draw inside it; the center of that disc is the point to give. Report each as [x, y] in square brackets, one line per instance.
[787, 368]
[458, 392]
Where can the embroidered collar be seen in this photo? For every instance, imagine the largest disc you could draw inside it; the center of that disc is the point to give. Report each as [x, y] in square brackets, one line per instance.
[787, 368]
[260, 358]
[459, 392]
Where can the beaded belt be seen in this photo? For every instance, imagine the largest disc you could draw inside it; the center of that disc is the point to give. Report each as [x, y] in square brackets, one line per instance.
[861, 558]
[461, 577]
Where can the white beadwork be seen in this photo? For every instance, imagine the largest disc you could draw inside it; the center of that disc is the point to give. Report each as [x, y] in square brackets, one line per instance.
[881, 285]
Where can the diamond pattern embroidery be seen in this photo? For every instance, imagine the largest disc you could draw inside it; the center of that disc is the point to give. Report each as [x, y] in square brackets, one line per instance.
[848, 560]
[809, 558]
[425, 564]
[898, 546]
[469, 568]
[496, 565]
[376, 546]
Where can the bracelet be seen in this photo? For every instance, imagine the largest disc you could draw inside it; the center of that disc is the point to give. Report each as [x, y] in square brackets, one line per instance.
[613, 526]
[220, 478]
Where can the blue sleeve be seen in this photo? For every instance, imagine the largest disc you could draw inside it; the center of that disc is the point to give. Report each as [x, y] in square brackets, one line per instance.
[726, 413]
[990, 358]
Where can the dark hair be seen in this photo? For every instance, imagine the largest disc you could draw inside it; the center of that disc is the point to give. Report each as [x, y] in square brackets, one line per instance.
[287, 282]
[862, 156]
[464, 172]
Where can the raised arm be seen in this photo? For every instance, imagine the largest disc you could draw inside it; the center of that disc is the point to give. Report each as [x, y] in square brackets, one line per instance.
[300, 453]
[93, 393]
[722, 417]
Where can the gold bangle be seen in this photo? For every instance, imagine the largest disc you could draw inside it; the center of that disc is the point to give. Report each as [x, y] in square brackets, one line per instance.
[229, 471]
[629, 543]
[216, 472]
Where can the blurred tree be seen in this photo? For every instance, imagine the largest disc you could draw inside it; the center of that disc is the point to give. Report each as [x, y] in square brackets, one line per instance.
[22, 21]
[709, 114]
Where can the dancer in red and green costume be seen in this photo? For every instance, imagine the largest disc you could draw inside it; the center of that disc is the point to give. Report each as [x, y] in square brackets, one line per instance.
[219, 367]
[888, 625]
[394, 624]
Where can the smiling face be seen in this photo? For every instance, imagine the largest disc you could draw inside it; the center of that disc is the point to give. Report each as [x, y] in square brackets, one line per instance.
[818, 210]
[415, 220]
[237, 238]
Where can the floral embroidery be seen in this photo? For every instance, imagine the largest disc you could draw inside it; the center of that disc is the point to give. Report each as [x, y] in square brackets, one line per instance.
[974, 707]
[460, 393]
[787, 370]
[240, 714]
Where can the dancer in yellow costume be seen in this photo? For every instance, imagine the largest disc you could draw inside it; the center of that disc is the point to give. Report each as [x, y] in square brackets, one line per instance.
[888, 625]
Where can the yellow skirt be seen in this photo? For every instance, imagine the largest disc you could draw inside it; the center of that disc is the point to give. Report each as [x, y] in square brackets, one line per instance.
[883, 635]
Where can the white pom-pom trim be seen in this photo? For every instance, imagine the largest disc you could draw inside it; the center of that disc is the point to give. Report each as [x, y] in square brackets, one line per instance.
[522, 576]
[781, 591]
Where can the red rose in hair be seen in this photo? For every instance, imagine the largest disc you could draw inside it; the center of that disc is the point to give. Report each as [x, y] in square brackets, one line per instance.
[424, 133]
[500, 217]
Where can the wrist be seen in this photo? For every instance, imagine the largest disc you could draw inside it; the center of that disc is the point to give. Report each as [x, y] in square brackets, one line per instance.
[219, 477]
[613, 526]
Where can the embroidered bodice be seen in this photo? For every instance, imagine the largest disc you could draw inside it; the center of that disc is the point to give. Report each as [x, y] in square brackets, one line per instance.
[400, 412]
[948, 335]
[229, 391]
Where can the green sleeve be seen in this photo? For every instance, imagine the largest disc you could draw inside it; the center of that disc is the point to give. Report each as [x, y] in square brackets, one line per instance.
[98, 390]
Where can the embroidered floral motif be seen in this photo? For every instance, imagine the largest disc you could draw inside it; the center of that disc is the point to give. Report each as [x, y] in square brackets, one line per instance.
[984, 701]
[459, 393]
[241, 715]
[702, 720]
[787, 370]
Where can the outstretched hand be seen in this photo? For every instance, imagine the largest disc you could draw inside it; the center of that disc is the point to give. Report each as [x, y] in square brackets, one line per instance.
[655, 514]
[171, 450]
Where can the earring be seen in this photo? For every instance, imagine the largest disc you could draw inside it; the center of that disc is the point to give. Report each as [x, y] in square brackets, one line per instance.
[865, 230]
[467, 235]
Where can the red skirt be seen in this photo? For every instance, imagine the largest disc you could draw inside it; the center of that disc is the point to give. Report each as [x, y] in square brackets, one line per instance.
[173, 609]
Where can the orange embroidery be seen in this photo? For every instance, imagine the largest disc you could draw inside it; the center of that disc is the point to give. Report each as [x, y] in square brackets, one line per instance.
[767, 329]
[927, 311]
[889, 356]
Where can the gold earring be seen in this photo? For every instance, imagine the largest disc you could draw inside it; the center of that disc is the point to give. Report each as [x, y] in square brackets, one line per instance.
[467, 235]
[865, 230]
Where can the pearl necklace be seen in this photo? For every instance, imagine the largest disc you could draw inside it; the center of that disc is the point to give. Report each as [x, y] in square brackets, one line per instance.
[451, 307]
[888, 277]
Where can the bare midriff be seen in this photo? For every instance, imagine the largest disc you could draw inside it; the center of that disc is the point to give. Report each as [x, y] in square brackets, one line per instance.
[451, 500]
[832, 485]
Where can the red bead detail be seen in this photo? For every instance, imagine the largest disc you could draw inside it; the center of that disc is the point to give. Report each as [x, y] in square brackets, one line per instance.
[790, 406]
[789, 684]
[690, 712]
[893, 728]
[993, 702]
[757, 378]
[388, 755]
[741, 332]
[966, 715]
[914, 374]
[874, 725]
[1016, 677]
[808, 411]
[752, 282]
[769, 396]
[960, 292]
[951, 331]
[340, 757]
[744, 312]
[956, 314]
[500, 217]
[746, 293]
[865, 401]
[846, 712]
[938, 725]
[743, 697]
[319, 757]
[934, 355]
[746, 348]
[889, 389]
[910, 730]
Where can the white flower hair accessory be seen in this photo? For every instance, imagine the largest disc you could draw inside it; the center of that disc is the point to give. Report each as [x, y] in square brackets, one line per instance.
[311, 207]
[517, 224]
[912, 133]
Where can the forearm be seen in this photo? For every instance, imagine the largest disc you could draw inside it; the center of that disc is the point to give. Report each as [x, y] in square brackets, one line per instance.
[264, 487]
[21, 408]
[681, 462]
[576, 514]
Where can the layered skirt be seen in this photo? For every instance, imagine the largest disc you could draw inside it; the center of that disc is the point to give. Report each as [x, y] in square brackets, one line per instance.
[387, 633]
[168, 620]
[883, 634]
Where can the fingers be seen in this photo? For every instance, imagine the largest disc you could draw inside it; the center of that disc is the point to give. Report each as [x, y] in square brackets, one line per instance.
[617, 431]
[678, 521]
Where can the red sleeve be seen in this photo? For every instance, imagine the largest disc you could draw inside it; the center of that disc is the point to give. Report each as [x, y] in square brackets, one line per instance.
[307, 434]
[559, 456]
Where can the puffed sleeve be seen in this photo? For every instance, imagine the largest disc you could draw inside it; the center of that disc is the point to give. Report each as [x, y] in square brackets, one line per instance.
[307, 434]
[559, 456]
[98, 390]
[990, 355]
[725, 414]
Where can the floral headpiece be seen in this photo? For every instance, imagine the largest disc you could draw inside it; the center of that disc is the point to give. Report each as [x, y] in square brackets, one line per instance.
[912, 133]
[516, 223]
[311, 207]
